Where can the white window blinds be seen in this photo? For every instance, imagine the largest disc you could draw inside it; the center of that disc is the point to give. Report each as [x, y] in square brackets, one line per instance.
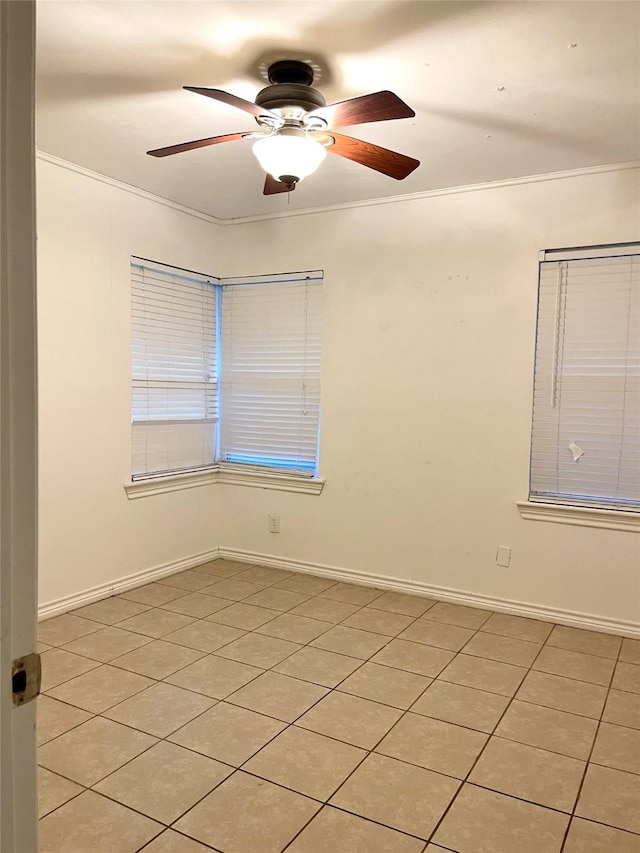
[174, 400]
[271, 332]
[586, 412]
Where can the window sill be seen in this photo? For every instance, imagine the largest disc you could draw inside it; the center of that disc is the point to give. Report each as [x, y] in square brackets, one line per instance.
[192, 480]
[608, 519]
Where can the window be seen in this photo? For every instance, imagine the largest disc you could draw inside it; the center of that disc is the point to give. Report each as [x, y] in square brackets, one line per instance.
[586, 410]
[224, 372]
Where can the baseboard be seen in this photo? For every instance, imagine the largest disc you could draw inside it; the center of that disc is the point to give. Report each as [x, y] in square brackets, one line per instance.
[572, 618]
[96, 593]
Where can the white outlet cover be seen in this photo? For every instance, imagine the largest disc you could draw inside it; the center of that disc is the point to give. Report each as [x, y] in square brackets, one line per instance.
[503, 556]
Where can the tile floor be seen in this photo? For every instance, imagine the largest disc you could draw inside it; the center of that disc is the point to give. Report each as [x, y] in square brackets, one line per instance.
[244, 709]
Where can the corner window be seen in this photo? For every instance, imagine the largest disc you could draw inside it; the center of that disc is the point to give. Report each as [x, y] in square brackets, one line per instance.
[225, 372]
[585, 448]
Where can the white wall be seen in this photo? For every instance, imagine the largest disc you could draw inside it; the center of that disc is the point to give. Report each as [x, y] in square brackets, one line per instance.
[430, 311]
[90, 533]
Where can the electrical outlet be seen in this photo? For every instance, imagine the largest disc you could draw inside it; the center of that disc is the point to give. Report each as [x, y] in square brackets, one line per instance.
[503, 556]
[274, 523]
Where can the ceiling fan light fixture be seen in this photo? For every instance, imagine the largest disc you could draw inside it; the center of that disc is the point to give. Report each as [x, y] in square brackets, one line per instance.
[291, 155]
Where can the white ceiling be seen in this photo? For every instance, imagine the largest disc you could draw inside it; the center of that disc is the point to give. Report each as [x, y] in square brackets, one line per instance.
[500, 90]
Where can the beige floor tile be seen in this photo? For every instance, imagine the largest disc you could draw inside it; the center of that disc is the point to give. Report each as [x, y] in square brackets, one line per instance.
[594, 670]
[59, 666]
[350, 641]
[228, 733]
[258, 650]
[587, 837]
[63, 629]
[627, 677]
[174, 842]
[42, 647]
[93, 823]
[204, 636]
[233, 589]
[100, 688]
[587, 642]
[549, 729]
[157, 659]
[438, 634]
[189, 580]
[111, 610]
[196, 604]
[486, 822]
[399, 602]
[222, 568]
[298, 629]
[247, 814]
[53, 791]
[528, 773]
[410, 799]
[214, 676]
[379, 621]
[351, 719]
[504, 649]
[164, 782]
[160, 710]
[383, 684]
[351, 594]
[306, 762]
[276, 599]
[414, 657]
[326, 610]
[156, 623]
[630, 651]
[611, 796]
[55, 718]
[91, 751]
[433, 744]
[306, 584]
[464, 706]
[107, 644]
[263, 575]
[278, 696]
[319, 667]
[153, 594]
[563, 694]
[518, 627]
[484, 674]
[618, 747]
[458, 614]
[623, 709]
[335, 831]
[244, 616]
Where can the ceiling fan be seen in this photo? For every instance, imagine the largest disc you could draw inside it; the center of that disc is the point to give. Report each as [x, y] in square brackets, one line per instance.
[296, 128]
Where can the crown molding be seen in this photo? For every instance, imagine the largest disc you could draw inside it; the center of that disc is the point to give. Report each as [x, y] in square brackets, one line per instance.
[469, 188]
[329, 208]
[129, 188]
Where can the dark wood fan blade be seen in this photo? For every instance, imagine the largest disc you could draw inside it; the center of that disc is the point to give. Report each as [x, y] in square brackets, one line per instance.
[379, 106]
[234, 101]
[383, 160]
[271, 186]
[197, 143]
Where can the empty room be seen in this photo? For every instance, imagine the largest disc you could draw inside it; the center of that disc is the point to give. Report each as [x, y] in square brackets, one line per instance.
[329, 317]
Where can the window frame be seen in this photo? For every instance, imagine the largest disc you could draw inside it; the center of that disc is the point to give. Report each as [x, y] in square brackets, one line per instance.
[220, 471]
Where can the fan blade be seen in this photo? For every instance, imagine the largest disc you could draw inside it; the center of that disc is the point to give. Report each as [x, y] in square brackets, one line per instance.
[235, 101]
[197, 143]
[383, 160]
[379, 106]
[272, 186]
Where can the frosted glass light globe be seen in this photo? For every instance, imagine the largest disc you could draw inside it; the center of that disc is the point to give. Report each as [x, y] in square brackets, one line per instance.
[293, 156]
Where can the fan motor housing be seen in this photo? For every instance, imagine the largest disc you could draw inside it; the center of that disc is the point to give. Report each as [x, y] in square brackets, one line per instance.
[290, 87]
